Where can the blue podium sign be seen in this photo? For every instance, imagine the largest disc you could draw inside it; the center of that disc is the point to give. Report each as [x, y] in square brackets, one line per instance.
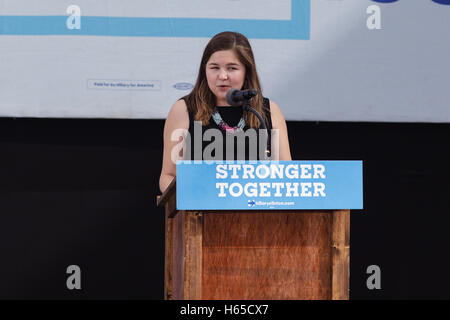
[269, 185]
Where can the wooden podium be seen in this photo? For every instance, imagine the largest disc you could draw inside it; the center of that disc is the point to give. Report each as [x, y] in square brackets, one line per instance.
[260, 255]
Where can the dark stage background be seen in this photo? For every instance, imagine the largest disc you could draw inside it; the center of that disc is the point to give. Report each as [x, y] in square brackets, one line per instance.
[82, 192]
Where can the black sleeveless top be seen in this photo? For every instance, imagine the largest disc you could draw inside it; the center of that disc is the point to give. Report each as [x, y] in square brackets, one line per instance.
[248, 145]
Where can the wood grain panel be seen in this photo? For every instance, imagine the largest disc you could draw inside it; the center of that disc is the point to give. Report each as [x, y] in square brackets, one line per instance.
[340, 242]
[178, 255]
[168, 262]
[193, 255]
[276, 255]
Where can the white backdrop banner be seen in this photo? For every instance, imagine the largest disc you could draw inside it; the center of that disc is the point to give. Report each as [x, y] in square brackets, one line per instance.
[320, 60]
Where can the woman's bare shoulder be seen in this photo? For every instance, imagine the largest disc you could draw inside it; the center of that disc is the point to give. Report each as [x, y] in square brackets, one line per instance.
[276, 115]
[274, 106]
[179, 108]
[178, 115]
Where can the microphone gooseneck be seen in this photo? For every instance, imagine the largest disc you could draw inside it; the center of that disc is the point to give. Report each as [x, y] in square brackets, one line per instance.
[247, 107]
[242, 98]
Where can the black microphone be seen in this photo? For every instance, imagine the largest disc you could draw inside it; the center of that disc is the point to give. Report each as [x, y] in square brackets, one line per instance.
[236, 97]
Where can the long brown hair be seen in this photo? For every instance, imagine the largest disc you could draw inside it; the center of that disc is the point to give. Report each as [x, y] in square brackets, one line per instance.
[201, 100]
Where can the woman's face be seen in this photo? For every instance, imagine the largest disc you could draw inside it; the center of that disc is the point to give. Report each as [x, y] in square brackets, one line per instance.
[223, 72]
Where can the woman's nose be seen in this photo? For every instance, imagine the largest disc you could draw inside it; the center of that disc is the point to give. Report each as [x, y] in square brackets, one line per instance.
[223, 75]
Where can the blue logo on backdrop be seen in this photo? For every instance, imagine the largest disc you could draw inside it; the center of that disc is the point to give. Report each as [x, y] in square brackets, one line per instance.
[183, 86]
[447, 2]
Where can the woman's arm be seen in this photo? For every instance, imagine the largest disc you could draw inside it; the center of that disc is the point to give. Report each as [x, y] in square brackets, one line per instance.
[280, 139]
[176, 123]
